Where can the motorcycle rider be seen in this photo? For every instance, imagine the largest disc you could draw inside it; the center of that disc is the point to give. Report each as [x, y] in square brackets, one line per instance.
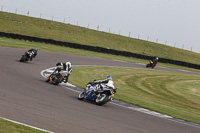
[107, 82]
[32, 53]
[155, 59]
[65, 67]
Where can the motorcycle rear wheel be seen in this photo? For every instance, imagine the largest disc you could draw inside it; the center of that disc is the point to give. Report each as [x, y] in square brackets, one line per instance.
[23, 59]
[56, 83]
[57, 79]
[102, 100]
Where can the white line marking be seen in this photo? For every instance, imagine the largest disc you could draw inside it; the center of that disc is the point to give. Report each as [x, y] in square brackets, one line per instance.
[26, 125]
[146, 111]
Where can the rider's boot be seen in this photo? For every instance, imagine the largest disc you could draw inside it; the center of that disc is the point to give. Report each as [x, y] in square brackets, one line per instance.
[65, 79]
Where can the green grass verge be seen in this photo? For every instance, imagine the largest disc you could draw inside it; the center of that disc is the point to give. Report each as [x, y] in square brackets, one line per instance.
[10, 127]
[174, 94]
[12, 23]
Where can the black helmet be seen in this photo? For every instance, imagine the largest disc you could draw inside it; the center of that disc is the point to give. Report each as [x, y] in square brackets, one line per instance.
[59, 64]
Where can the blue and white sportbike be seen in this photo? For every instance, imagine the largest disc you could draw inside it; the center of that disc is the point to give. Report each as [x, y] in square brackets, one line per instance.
[98, 93]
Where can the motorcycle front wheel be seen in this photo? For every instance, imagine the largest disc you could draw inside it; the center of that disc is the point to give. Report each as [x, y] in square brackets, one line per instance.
[102, 99]
[81, 96]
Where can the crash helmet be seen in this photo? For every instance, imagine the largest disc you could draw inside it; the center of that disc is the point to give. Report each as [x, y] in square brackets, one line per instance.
[109, 77]
[59, 64]
[36, 49]
[157, 58]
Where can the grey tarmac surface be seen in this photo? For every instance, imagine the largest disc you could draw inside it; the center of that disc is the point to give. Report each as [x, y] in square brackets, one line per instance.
[26, 97]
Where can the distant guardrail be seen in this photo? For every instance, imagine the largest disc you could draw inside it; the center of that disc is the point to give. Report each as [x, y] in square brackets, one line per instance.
[96, 49]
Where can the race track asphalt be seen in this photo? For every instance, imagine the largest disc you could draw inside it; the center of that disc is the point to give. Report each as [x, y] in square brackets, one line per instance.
[26, 97]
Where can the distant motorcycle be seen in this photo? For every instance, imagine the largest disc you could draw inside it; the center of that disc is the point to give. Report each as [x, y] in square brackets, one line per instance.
[55, 77]
[28, 56]
[102, 95]
[151, 64]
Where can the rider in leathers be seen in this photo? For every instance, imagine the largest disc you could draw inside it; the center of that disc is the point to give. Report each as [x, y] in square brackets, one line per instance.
[155, 59]
[108, 83]
[65, 67]
[32, 53]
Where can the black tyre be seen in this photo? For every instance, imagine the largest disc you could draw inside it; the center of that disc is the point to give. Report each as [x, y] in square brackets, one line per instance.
[48, 79]
[58, 79]
[23, 59]
[56, 82]
[81, 96]
[102, 100]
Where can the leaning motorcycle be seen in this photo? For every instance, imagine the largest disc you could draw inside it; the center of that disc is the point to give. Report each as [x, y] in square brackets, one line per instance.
[26, 57]
[97, 93]
[151, 64]
[55, 77]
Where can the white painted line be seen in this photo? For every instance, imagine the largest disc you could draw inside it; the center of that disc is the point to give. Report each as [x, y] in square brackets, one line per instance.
[27, 125]
[64, 85]
[157, 115]
[146, 111]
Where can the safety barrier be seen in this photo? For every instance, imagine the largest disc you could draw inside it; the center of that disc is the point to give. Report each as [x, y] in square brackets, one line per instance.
[96, 49]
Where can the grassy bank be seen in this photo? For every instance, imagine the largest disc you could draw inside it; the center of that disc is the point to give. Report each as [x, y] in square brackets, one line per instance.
[24, 25]
[174, 94]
